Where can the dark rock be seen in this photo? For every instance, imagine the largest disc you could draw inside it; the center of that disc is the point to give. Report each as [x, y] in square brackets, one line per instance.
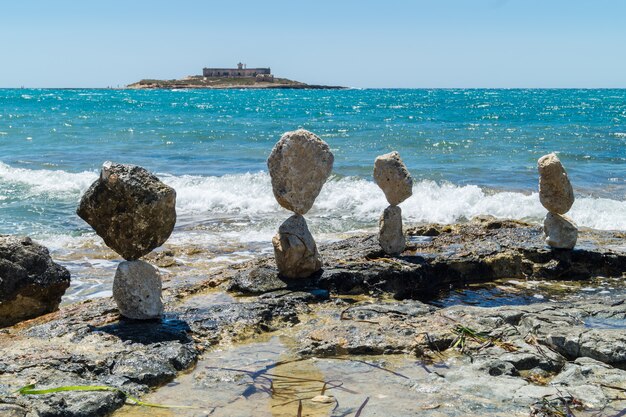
[131, 209]
[31, 284]
[144, 368]
[257, 280]
[77, 404]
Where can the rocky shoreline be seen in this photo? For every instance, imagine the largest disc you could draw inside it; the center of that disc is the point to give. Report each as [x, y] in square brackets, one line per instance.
[569, 352]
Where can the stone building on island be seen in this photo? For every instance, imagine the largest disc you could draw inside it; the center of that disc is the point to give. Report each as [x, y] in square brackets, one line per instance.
[261, 74]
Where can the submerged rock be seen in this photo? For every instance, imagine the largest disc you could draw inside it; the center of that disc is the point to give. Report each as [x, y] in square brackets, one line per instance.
[295, 249]
[131, 209]
[31, 284]
[561, 232]
[555, 190]
[137, 290]
[393, 178]
[390, 234]
[299, 165]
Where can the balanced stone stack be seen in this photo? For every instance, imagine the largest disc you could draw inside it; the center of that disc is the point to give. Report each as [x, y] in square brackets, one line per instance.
[557, 196]
[299, 165]
[134, 213]
[394, 179]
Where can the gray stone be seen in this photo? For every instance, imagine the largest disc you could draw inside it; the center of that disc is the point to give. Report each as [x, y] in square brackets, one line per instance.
[390, 234]
[299, 165]
[31, 284]
[9, 410]
[561, 232]
[555, 190]
[393, 178]
[137, 290]
[131, 209]
[295, 250]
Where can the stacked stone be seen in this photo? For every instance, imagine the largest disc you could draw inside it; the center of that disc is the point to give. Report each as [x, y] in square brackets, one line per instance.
[133, 212]
[557, 196]
[299, 165]
[394, 179]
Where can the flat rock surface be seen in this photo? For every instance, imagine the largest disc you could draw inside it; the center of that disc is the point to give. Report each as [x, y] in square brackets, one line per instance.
[453, 359]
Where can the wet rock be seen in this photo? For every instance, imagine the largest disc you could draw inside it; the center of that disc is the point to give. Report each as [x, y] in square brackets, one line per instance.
[144, 369]
[390, 234]
[393, 178]
[137, 290]
[131, 209]
[555, 190]
[299, 165]
[31, 284]
[77, 404]
[257, 280]
[295, 250]
[561, 232]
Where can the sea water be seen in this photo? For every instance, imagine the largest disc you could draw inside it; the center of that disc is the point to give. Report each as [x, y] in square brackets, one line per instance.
[470, 152]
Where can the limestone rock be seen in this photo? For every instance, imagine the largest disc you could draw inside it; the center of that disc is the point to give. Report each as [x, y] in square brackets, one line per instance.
[561, 232]
[390, 234]
[299, 165]
[137, 290]
[295, 250]
[131, 209]
[31, 284]
[555, 190]
[393, 178]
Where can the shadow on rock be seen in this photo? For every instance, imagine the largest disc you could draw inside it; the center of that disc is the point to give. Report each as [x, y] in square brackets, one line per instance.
[149, 331]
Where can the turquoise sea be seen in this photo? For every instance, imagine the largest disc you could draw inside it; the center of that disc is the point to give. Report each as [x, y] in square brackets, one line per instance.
[470, 151]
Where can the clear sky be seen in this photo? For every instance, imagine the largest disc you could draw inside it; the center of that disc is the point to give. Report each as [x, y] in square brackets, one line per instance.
[358, 43]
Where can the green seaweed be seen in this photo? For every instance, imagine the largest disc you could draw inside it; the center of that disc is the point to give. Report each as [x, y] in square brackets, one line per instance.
[30, 390]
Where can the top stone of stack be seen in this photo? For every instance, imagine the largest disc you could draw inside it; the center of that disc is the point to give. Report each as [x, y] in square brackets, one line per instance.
[555, 190]
[131, 209]
[393, 178]
[299, 165]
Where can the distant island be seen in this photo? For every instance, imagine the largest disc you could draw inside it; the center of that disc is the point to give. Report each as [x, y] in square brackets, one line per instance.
[229, 78]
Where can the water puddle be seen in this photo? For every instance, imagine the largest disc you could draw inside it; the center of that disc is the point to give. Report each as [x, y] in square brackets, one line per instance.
[511, 292]
[266, 379]
[605, 322]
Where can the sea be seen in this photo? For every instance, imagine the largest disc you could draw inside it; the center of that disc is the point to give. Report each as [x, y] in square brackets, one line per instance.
[470, 151]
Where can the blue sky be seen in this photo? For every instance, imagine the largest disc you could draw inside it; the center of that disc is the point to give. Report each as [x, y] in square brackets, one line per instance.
[387, 43]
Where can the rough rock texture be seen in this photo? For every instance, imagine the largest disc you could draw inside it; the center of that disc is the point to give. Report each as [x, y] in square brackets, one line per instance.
[393, 178]
[31, 284]
[390, 236]
[295, 250]
[137, 290]
[561, 232]
[299, 165]
[130, 209]
[555, 190]
[467, 360]
[444, 256]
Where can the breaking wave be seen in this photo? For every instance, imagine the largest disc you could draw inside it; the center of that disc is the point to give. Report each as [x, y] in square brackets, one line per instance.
[345, 203]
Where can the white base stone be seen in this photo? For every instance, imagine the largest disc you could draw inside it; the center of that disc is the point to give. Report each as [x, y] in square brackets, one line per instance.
[561, 231]
[137, 290]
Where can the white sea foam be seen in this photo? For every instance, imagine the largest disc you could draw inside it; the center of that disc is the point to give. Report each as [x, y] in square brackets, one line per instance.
[356, 200]
[247, 203]
[50, 182]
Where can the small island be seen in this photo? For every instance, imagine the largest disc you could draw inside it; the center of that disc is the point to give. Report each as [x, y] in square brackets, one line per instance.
[229, 78]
